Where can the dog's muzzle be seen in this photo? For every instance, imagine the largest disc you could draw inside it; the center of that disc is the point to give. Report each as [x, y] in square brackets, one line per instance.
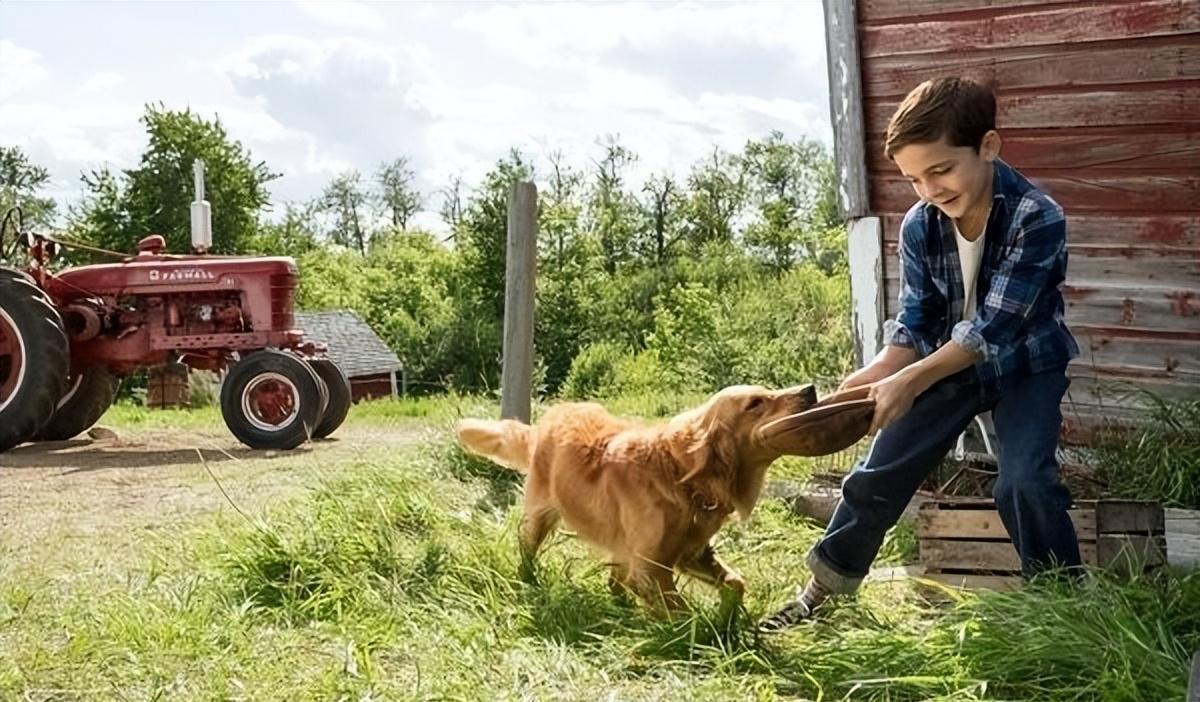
[831, 425]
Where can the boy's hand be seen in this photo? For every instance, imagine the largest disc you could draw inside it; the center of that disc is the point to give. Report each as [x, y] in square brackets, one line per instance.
[893, 397]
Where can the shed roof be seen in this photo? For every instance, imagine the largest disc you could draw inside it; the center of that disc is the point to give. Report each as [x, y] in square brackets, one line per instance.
[352, 343]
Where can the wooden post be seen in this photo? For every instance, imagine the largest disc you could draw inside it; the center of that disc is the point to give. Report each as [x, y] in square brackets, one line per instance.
[865, 239]
[516, 381]
[846, 106]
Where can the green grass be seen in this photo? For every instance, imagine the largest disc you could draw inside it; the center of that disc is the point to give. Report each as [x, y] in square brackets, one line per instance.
[1159, 462]
[397, 579]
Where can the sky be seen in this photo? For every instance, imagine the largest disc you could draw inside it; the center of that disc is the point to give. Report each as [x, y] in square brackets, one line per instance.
[316, 88]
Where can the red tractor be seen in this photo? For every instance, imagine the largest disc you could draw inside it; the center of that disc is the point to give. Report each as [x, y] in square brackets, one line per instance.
[66, 338]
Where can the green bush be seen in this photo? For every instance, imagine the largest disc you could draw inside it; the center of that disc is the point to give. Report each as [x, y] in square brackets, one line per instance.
[593, 371]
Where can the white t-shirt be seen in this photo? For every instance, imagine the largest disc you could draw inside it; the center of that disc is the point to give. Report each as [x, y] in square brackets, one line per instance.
[970, 253]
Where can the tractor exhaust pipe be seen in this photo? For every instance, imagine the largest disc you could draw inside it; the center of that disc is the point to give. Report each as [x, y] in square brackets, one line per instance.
[201, 213]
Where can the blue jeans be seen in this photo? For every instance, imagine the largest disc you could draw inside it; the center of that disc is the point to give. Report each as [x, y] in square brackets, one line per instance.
[1031, 500]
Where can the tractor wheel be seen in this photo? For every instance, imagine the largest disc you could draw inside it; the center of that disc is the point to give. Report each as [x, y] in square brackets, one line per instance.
[33, 358]
[91, 393]
[271, 400]
[339, 396]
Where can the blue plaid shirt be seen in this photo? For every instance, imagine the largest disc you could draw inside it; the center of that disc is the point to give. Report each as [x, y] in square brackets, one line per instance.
[1018, 327]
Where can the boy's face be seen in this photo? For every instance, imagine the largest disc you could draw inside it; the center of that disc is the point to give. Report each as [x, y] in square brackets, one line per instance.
[956, 179]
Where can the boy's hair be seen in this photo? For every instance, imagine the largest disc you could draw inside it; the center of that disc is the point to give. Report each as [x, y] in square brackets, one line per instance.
[959, 109]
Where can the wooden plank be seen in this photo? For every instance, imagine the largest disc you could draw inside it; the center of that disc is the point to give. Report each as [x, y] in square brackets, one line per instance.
[1025, 27]
[1182, 522]
[969, 581]
[1175, 360]
[1183, 551]
[1118, 304]
[1181, 231]
[1077, 108]
[1174, 278]
[846, 106]
[935, 522]
[1108, 256]
[1157, 347]
[1027, 67]
[1183, 537]
[1130, 554]
[945, 554]
[1184, 333]
[1128, 517]
[1158, 152]
[1093, 390]
[879, 10]
[1090, 191]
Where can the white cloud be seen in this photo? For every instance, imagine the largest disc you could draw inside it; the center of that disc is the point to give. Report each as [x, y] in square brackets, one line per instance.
[451, 86]
[355, 98]
[102, 81]
[350, 15]
[20, 69]
[539, 32]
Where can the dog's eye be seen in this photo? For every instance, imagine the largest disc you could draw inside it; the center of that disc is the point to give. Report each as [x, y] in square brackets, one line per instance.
[755, 403]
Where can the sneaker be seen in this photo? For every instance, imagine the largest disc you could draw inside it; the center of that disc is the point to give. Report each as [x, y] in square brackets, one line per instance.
[801, 608]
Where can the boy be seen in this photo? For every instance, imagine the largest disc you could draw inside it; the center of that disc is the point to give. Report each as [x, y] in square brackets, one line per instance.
[980, 328]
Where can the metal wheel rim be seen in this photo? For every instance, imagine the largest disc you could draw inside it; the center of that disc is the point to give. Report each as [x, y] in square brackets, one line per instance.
[260, 390]
[12, 359]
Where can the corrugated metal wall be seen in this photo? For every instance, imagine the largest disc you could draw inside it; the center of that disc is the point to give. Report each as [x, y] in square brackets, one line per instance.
[1099, 102]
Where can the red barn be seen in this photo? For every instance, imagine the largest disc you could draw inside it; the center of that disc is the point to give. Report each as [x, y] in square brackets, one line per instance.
[1099, 103]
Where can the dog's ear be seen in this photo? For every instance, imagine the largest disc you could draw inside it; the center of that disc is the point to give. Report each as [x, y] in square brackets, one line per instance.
[710, 449]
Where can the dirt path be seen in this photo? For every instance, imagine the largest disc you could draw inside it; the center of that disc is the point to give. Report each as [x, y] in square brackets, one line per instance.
[84, 505]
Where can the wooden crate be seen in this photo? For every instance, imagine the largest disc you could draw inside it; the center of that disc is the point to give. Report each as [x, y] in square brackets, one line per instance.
[168, 386]
[963, 543]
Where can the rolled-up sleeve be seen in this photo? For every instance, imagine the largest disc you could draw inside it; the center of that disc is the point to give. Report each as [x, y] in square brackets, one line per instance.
[1029, 267]
[921, 319]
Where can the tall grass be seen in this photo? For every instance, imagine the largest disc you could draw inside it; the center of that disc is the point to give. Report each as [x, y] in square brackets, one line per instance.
[1160, 461]
[397, 579]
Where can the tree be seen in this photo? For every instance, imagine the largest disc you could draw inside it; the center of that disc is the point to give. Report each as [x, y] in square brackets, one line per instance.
[483, 233]
[561, 210]
[343, 198]
[718, 196]
[612, 209]
[661, 209]
[793, 192]
[294, 235]
[452, 205]
[156, 197]
[20, 182]
[396, 191]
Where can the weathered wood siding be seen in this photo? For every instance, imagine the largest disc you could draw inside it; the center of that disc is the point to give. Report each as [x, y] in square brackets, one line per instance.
[1099, 103]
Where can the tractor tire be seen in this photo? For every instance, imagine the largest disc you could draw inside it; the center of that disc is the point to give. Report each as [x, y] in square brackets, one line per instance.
[271, 400]
[89, 396]
[34, 358]
[339, 396]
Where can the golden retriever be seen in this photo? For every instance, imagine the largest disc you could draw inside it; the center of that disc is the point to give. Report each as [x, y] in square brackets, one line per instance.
[652, 496]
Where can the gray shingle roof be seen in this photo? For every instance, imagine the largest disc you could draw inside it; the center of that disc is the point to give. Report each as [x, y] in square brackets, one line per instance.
[352, 343]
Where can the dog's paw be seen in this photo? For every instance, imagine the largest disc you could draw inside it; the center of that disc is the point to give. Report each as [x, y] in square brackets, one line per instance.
[735, 583]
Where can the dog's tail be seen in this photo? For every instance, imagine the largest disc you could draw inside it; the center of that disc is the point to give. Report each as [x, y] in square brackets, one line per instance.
[507, 441]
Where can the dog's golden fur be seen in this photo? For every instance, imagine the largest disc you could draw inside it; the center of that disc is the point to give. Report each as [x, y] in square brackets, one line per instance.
[649, 496]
